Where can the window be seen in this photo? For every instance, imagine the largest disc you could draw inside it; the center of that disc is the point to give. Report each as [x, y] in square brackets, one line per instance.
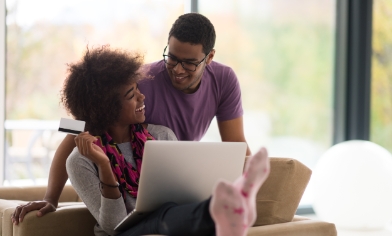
[42, 37]
[282, 52]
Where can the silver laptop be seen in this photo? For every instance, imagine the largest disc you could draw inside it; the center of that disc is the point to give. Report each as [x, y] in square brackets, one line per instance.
[182, 172]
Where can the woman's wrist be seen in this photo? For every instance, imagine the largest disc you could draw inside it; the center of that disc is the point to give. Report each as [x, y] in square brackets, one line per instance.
[104, 163]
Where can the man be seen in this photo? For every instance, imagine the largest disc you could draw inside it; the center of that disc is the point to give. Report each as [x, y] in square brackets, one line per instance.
[186, 91]
[189, 89]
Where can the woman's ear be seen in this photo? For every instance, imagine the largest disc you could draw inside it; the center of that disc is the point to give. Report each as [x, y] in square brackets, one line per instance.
[210, 56]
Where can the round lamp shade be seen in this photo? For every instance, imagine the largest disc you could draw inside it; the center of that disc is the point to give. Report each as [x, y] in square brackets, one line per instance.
[352, 184]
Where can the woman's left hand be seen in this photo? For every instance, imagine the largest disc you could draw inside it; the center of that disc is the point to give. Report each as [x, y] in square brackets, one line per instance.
[84, 142]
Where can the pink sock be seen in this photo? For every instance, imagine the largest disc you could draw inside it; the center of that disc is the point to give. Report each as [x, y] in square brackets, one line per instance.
[255, 173]
[233, 206]
[227, 210]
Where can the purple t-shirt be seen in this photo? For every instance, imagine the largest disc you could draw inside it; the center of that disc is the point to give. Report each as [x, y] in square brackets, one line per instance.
[190, 115]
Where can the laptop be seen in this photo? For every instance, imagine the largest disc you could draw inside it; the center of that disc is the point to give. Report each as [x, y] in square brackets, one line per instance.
[182, 172]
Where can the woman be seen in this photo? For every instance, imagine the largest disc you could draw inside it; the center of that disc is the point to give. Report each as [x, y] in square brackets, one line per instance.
[105, 166]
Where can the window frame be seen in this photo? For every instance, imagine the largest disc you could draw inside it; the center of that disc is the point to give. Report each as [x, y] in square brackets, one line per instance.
[352, 88]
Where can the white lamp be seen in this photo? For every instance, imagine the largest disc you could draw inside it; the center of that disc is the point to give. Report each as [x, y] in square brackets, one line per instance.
[353, 185]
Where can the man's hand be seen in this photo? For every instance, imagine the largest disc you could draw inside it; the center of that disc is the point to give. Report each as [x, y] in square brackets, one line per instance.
[20, 211]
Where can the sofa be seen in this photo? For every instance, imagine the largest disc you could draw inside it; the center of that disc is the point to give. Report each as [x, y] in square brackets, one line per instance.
[277, 202]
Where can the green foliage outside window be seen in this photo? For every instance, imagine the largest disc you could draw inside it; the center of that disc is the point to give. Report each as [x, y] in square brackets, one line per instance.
[381, 98]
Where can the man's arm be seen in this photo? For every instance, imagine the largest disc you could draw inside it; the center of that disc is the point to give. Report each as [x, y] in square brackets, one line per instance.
[233, 131]
[57, 178]
[58, 173]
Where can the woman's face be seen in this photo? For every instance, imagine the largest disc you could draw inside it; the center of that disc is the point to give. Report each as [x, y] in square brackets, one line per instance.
[132, 111]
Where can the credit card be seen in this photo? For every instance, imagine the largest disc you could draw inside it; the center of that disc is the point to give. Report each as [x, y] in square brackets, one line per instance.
[71, 126]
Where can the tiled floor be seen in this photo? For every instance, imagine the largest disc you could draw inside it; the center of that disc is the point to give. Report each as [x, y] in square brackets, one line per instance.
[344, 232]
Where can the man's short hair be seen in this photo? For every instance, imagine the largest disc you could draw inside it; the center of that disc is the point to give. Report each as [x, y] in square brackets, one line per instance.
[194, 28]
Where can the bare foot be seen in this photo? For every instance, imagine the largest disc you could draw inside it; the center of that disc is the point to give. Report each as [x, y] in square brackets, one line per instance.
[233, 206]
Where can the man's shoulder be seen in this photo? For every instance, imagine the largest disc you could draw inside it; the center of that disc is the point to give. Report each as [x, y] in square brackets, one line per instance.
[154, 68]
[220, 73]
[217, 65]
[154, 73]
[218, 69]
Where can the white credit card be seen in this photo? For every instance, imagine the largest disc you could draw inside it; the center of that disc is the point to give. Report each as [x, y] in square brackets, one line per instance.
[71, 126]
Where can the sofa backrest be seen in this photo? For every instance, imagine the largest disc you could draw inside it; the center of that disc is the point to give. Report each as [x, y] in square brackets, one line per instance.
[279, 196]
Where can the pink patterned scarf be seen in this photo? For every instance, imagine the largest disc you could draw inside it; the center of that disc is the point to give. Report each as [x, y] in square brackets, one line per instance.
[127, 176]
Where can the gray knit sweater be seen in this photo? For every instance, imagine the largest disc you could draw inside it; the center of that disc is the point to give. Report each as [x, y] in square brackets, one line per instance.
[85, 180]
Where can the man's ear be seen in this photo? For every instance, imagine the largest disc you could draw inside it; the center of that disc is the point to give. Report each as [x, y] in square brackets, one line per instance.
[210, 56]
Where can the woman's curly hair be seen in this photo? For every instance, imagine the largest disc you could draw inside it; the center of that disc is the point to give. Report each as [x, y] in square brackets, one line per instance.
[194, 28]
[91, 91]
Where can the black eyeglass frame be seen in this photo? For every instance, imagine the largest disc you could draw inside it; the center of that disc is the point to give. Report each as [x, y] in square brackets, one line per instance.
[179, 61]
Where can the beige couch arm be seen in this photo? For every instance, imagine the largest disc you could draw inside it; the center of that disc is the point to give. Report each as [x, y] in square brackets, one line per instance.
[74, 219]
[71, 217]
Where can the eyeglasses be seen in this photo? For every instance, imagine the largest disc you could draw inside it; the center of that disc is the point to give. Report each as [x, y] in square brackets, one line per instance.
[172, 62]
